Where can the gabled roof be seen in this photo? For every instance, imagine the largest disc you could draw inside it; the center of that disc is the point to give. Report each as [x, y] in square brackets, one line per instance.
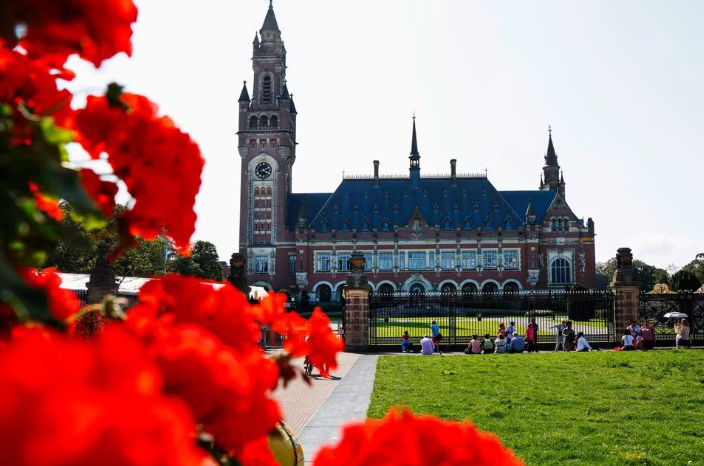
[519, 200]
[467, 204]
[310, 203]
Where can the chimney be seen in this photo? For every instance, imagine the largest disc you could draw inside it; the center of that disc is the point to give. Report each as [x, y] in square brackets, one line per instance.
[376, 173]
[453, 170]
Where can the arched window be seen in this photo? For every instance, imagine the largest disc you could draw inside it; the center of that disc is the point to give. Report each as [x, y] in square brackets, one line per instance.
[323, 293]
[553, 225]
[560, 271]
[267, 94]
[274, 121]
[448, 288]
[253, 121]
[490, 287]
[417, 288]
[511, 287]
[469, 288]
[264, 122]
[386, 288]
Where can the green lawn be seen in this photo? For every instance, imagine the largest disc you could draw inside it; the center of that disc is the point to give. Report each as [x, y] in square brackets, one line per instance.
[562, 408]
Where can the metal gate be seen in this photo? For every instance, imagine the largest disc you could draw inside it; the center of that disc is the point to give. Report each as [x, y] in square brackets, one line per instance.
[462, 315]
[658, 308]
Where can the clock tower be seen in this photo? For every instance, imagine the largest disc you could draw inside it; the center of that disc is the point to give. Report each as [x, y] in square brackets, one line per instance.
[267, 147]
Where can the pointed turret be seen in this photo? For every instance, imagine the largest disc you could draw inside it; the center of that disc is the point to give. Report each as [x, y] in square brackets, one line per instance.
[551, 170]
[551, 156]
[284, 92]
[529, 211]
[414, 157]
[270, 23]
[256, 39]
[292, 107]
[244, 95]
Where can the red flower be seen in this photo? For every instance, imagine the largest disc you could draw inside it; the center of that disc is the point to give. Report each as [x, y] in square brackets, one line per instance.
[160, 165]
[33, 83]
[421, 440]
[65, 401]
[317, 341]
[257, 453]
[45, 204]
[103, 192]
[228, 392]
[57, 29]
[62, 303]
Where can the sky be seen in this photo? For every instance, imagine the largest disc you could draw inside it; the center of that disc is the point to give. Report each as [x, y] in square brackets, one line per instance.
[618, 81]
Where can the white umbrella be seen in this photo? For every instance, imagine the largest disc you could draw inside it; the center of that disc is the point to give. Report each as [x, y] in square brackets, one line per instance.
[675, 315]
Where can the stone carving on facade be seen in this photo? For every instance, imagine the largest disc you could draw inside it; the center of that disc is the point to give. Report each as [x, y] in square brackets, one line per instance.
[357, 278]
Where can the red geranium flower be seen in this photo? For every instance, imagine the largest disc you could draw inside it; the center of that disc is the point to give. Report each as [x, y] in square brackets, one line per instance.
[62, 303]
[420, 440]
[46, 204]
[102, 192]
[148, 153]
[317, 341]
[65, 401]
[57, 29]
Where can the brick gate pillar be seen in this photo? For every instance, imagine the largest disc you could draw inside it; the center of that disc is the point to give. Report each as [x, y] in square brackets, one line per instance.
[356, 311]
[626, 293]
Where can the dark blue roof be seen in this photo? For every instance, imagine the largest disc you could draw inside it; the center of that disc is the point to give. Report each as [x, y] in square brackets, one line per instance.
[470, 202]
[312, 202]
[519, 201]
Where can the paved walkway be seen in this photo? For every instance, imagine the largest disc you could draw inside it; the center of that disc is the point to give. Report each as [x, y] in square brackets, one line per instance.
[315, 413]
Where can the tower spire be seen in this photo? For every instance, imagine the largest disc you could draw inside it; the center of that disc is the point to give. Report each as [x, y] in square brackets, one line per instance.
[414, 142]
[270, 19]
[551, 156]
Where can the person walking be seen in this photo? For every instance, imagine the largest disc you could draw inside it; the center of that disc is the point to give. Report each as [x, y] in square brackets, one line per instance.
[682, 338]
[560, 341]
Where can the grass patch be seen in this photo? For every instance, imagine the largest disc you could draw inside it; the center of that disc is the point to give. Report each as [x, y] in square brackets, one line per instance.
[624, 408]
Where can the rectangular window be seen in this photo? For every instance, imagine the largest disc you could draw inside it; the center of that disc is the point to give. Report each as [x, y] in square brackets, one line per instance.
[431, 259]
[447, 260]
[511, 260]
[416, 260]
[368, 261]
[490, 259]
[469, 260]
[292, 264]
[402, 260]
[386, 260]
[261, 264]
[322, 262]
[343, 262]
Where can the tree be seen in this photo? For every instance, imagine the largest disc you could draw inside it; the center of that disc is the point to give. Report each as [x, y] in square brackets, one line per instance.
[684, 280]
[645, 274]
[206, 256]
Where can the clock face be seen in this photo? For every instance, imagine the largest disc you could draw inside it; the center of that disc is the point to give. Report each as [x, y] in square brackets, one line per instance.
[263, 170]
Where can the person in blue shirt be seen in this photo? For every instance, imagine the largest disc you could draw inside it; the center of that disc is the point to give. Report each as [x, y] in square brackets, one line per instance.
[517, 343]
[510, 331]
[437, 336]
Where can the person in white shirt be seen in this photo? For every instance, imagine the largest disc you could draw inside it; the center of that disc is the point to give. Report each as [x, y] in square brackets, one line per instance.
[582, 343]
[500, 344]
[427, 346]
[627, 341]
[560, 342]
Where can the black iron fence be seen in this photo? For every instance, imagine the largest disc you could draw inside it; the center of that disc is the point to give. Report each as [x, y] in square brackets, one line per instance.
[461, 315]
[662, 310]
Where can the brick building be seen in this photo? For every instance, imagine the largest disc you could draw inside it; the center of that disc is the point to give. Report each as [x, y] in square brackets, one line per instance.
[418, 233]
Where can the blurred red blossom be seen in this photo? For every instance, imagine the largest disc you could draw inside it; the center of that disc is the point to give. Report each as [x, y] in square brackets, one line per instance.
[148, 153]
[422, 440]
[62, 303]
[45, 204]
[102, 192]
[65, 401]
[94, 30]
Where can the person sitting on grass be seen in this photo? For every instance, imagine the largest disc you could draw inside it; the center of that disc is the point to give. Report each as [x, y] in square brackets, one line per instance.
[427, 346]
[648, 333]
[517, 343]
[627, 341]
[582, 343]
[474, 346]
[682, 338]
[406, 345]
[634, 329]
[500, 344]
[638, 341]
[568, 333]
[502, 329]
[487, 344]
